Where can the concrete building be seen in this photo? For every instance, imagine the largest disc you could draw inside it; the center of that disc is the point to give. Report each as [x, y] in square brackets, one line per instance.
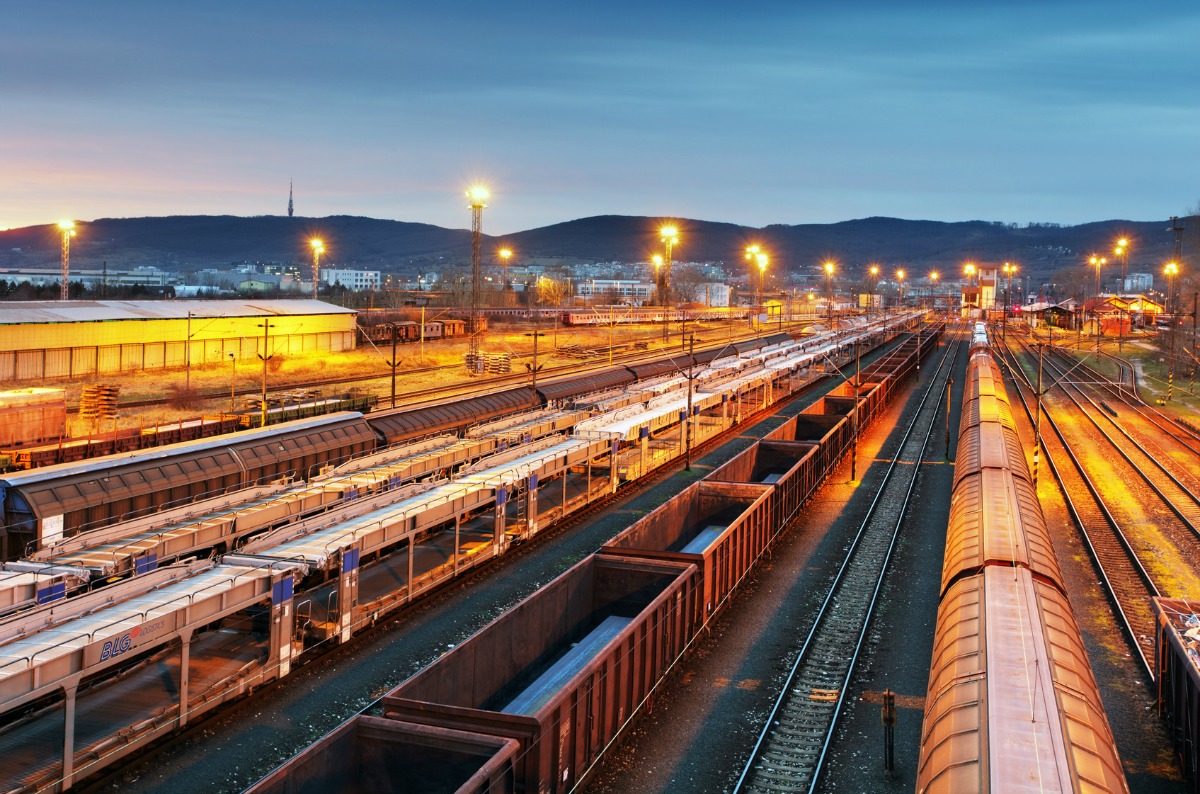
[1138, 282]
[355, 280]
[47, 340]
[92, 278]
[615, 290]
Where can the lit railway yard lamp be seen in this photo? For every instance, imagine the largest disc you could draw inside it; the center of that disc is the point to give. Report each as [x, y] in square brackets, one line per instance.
[318, 248]
[67, 228]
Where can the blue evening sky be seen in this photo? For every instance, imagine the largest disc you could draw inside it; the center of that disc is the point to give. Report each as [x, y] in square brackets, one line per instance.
[753, 113]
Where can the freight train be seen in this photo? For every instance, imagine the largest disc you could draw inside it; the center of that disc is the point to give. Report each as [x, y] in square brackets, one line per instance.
[532, 701]
[63, 500]
[628, 315]
[1012, 703]
[244, 616]
[285, 408]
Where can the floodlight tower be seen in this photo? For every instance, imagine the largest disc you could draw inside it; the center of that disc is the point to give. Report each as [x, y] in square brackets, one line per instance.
[68, 231]
[318, 248]
[477, 196]
[669, 236]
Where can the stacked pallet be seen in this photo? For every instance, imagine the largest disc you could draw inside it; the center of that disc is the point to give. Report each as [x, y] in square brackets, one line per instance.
[97, 403]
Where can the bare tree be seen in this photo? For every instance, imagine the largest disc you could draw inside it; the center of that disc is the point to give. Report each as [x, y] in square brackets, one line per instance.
[551, 292]
[686, 283]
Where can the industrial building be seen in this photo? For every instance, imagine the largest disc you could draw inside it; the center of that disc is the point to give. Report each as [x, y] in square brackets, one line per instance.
[45, 340]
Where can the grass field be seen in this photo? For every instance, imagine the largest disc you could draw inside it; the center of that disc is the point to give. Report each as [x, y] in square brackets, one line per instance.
[369, 368]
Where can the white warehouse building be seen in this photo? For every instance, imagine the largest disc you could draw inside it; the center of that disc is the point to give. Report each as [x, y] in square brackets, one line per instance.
[356, 280]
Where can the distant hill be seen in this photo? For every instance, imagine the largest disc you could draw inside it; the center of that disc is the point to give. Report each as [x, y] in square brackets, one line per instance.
[193, 242]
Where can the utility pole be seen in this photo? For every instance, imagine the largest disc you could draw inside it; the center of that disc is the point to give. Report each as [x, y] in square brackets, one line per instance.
[612, 323]
[687, 422]
[478, 198]
[1037, 425]
[395, 362]
[1192, 353]
[232, 381]
[949, 386]
[266, 326]
[533, 370]
[187, 357]
[854, 442]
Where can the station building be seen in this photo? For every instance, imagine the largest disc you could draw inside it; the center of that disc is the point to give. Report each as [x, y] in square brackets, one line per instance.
[48, 340]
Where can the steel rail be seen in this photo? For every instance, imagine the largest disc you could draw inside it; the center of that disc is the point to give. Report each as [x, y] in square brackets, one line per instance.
[1178, 430]
[1111, 554]
[1192, 521]
[798, 721]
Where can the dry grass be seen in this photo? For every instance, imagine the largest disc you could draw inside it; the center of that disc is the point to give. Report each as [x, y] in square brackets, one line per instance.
[367, 366]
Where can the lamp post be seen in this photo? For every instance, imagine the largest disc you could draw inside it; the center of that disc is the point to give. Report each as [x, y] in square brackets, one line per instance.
[1121, 249]
[1097, 262]
[969, 270]
[232, 381]
[318, 248]
[266, 326]
[829, 267]
[1008, 269]
[505, 254]
[1171, 271]
[657, 261]
[752, 252]
[187, 357]
[477, 201]
[933, 276]
[762, 275]
[67, 228]
[687, 422]
[874, 285]
[900, 281]
[669, 236]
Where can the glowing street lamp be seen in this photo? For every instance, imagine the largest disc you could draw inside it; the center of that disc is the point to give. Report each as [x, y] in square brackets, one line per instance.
[68, 231]
[933, 277]
[1171, 271]
[1008, 270]
[762, 274]
[1097, 262]
[874, 285]
[318, 248]
[669, 236]
[477, 197]
[829, 267]
[505, 254]
[1121, 249]
[969, 270]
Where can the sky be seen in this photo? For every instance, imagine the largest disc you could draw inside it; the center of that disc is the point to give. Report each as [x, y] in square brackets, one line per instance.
[753, 113]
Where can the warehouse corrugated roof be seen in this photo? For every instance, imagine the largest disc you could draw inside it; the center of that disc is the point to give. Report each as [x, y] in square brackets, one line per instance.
[24, 312]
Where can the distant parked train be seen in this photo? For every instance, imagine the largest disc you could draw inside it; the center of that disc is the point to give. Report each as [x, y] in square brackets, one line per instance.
[624, 315]
[1012, 703]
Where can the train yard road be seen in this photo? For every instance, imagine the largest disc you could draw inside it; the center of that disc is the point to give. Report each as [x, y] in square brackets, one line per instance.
[709, 717]
[235, 747]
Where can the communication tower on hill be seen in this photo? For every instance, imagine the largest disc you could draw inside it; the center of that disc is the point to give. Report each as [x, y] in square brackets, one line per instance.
[291, 208]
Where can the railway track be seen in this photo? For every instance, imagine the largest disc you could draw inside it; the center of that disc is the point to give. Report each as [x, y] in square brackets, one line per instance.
[356, 654]
[792, 747]
[1185, 435]
[1145, 461]
[1125, 580]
